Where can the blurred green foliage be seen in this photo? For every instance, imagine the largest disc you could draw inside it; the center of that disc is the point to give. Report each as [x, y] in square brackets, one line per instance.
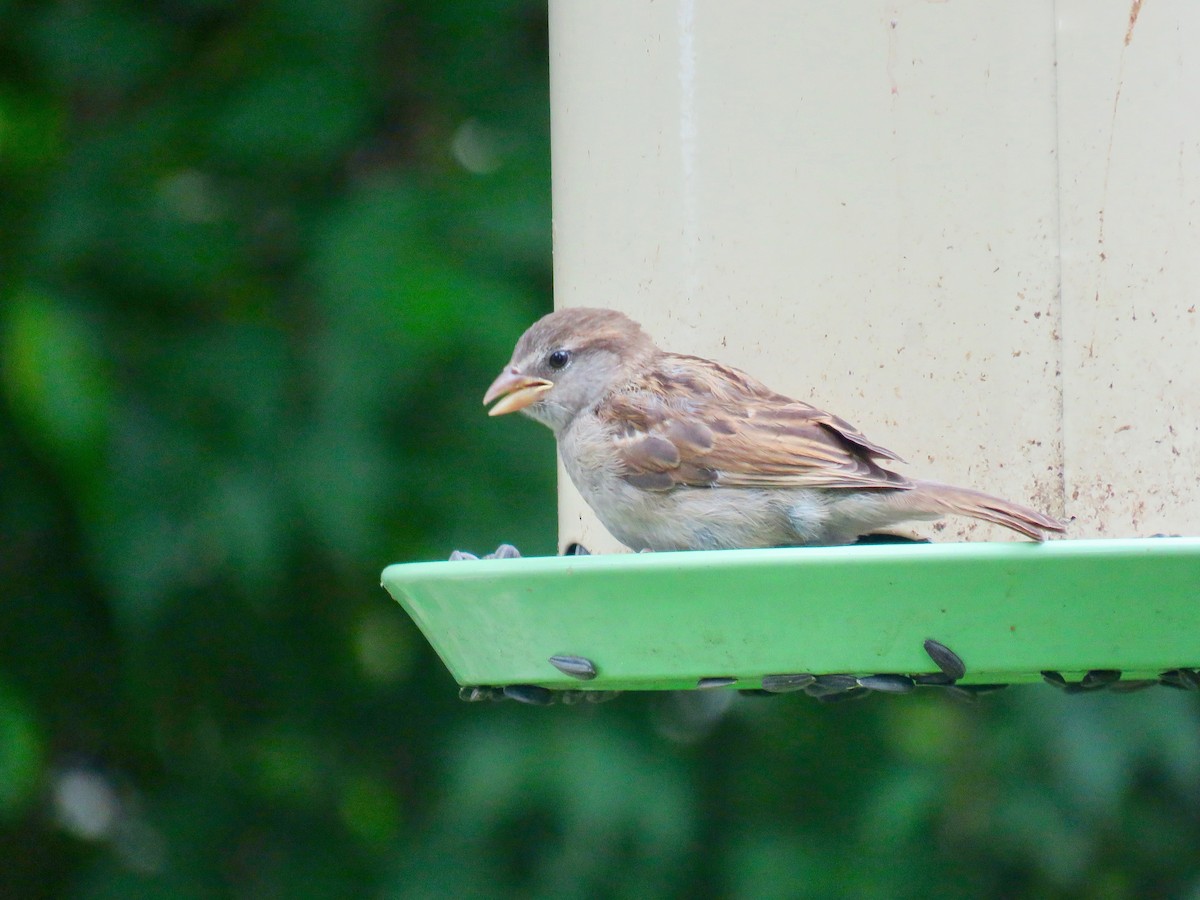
[258, 262]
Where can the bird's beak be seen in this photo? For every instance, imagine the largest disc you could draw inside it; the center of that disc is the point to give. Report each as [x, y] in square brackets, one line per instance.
[518, 391]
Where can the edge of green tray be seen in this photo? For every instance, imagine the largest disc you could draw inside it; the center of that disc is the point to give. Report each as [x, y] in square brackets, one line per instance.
[497, 621]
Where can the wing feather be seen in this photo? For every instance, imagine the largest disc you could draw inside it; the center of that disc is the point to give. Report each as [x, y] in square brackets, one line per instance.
[692, 422]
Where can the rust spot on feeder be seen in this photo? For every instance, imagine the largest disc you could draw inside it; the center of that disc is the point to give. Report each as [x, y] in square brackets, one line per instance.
[1133, 17]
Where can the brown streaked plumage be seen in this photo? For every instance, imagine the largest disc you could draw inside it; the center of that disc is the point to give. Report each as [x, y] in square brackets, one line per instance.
[677, 452]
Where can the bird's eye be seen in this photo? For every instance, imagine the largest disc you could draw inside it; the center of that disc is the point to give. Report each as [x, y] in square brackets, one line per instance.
[558, 359]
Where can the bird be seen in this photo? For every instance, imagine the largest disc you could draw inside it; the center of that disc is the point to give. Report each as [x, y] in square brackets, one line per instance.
[678, 452]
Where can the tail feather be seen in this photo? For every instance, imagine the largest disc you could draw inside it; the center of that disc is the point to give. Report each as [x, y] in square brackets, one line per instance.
[932, 498]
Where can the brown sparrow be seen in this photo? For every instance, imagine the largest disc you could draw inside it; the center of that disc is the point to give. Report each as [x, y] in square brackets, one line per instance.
[677, 452]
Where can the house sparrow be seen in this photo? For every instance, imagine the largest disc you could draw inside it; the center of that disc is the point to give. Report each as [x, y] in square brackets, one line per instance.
[676, 452]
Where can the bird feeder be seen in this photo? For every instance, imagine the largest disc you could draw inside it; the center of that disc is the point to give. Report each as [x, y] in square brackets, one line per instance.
[969, 229]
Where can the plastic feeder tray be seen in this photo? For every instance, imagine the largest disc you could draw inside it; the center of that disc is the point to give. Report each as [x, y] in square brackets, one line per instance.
[662, 621]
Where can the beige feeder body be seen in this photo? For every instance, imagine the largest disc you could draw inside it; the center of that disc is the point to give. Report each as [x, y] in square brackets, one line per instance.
[970, 228]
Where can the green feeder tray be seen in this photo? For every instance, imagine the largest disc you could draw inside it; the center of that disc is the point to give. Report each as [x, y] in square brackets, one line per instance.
[664, 621]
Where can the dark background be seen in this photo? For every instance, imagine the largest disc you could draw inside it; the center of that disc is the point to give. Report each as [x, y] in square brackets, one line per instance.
[258, 262]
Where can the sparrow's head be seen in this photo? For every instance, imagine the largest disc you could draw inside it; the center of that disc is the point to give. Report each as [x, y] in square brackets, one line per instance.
[566, 362]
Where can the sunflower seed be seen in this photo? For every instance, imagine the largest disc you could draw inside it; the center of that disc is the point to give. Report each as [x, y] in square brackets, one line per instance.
[837, 682]
[460, 555]
[783, 684]
[504, 551]
[529, 693]
[1099, 678]
[1054, 678]
[945, 659]
[888, 684]
[1069, 687]
[1184, 679]
[980, 689]
[1191, 678]
[576, 666]
[829, 685]
[934, 680]
[715, 681]
[473, 693]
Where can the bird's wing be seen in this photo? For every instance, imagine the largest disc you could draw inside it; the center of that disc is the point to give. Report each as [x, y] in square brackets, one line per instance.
[692, 422]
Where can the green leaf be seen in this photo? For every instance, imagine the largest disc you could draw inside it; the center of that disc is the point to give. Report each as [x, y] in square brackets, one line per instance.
[31, 131]
[55, 378]
[20, 752]
[293, 118]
